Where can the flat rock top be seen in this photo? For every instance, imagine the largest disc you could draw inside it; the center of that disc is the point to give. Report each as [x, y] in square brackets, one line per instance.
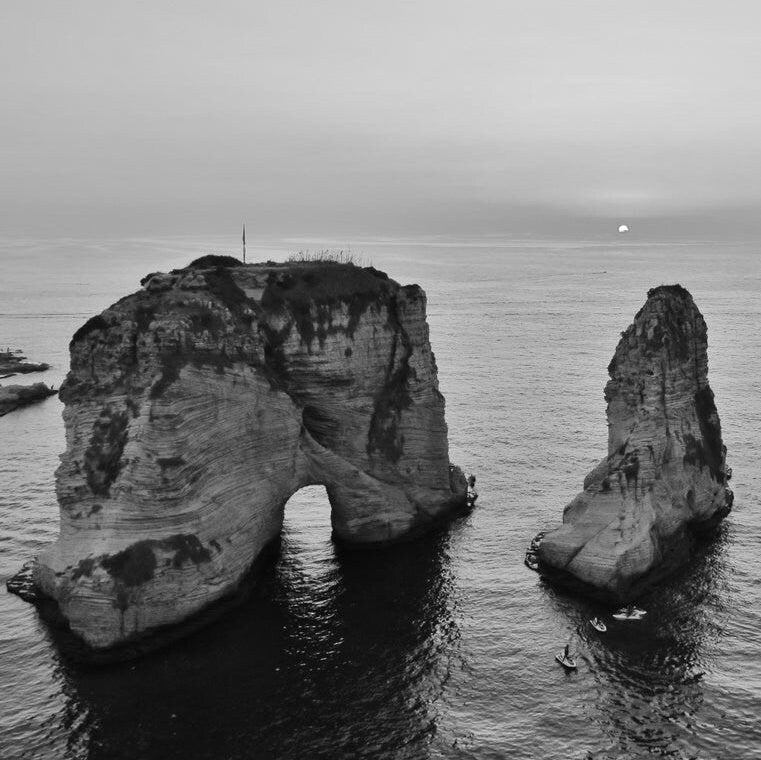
[252, 292]
[321, 279]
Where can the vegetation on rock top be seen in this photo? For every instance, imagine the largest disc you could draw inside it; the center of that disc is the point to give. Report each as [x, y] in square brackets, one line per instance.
[214, 260]
[310, 292]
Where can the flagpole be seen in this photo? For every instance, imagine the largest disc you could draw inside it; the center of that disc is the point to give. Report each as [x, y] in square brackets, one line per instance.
[244, 243]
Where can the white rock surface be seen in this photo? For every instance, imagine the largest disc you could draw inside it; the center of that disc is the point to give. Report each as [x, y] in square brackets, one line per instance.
[195, 408]
[665, 476]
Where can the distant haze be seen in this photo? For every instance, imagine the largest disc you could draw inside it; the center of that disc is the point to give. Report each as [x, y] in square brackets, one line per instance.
[387, 117]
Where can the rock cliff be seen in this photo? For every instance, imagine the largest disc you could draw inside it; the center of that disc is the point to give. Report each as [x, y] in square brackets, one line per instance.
[197, 406]
[665, 477]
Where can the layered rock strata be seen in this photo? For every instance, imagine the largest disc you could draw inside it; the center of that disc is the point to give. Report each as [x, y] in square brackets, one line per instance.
[665, 476]
[197, 406]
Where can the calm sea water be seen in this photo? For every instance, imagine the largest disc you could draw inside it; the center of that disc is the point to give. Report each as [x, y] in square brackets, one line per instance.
[442, 648]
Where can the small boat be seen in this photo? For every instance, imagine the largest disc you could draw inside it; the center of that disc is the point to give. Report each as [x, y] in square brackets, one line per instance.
[567, 662]
[471, 494]
[598, 625]
[531, 561]
[629, 613]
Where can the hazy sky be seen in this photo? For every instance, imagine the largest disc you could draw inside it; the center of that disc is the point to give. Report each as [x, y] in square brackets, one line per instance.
[378, 117]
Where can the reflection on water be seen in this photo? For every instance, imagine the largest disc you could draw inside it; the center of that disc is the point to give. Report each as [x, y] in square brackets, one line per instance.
[647, 676]
[340, 656]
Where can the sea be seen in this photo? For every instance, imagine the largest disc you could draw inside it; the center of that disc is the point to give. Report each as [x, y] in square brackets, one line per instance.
[442, 647]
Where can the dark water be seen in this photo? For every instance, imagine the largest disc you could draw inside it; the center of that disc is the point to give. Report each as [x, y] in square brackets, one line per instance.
[441, 648]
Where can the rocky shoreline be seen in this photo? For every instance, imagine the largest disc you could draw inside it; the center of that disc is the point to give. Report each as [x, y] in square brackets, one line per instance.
[14, 397]
[14, 363]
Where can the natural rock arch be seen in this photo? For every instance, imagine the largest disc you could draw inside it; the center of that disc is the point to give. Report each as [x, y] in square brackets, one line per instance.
[195, 408]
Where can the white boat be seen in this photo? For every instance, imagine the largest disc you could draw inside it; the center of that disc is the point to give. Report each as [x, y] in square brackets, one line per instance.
[567, 662]
[629, 613]
[598, 625]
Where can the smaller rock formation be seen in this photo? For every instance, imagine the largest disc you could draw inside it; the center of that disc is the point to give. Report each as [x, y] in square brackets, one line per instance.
[12, 363]
[665, 478]
[13, 397]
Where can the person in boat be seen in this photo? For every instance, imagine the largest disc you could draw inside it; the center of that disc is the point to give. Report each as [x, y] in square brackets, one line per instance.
[566, 653]
[472, 493]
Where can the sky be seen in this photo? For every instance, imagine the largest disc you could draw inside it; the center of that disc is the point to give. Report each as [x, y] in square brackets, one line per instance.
[385, 118]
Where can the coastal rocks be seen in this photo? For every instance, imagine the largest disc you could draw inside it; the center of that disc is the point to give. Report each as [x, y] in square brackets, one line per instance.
[665, 477]
[197, 406]
[14, 362]
[13, 397]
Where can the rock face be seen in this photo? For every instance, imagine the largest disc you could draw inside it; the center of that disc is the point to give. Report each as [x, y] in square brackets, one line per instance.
[196, 407]
[665, 477]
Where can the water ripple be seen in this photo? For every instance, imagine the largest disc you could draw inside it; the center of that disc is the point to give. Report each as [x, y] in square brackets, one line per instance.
[442, 648]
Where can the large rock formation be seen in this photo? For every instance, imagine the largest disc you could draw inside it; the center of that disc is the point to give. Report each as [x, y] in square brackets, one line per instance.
[196, 407]
[665, 477]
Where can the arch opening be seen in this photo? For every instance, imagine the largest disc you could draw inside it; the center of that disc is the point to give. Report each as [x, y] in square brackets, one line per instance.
[307, 528]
